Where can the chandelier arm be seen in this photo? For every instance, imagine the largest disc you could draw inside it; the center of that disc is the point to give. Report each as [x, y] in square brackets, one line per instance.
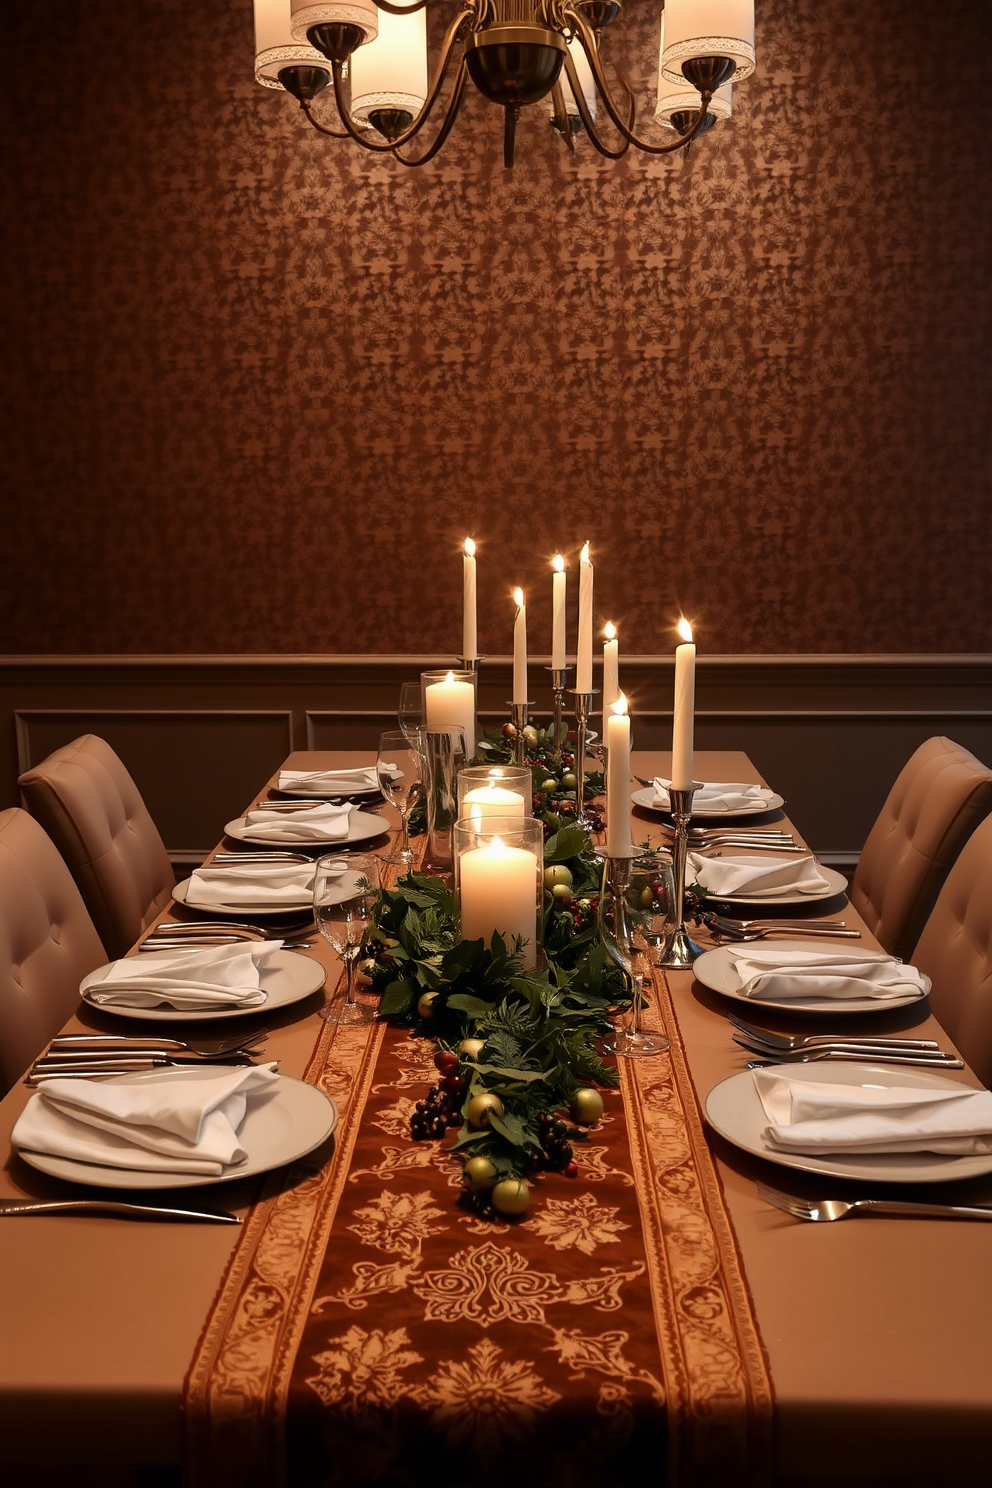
[586, 116]
[561, 120]
[591, 50]
[321, 128]
[449, 118]
[402, 9]
[443, 61]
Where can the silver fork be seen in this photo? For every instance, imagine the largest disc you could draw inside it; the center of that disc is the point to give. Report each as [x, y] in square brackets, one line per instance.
[817, 932]
[932, 1058]
[207, 1047]
[789, 1041]
[830, 1209]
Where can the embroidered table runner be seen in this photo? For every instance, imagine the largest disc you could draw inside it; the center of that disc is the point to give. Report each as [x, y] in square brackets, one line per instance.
[369, 1331]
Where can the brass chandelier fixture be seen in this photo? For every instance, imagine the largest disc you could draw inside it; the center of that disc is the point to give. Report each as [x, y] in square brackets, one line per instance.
[516, 52]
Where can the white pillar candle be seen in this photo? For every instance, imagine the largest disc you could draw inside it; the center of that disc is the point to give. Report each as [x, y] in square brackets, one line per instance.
[685, 696]
[611, 667]
[492, 800]
[451, 704]
[470, 644]
[499, 892]
[618, 781]
[520, 648]
[558, 582]
[583, 665]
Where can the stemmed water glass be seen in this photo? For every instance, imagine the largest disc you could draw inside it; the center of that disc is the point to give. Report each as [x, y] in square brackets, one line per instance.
[345, 891]
[399, 768]
[410, 712]
[637, 921]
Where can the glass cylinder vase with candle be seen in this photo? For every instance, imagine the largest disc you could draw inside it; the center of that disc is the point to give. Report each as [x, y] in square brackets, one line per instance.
[494, 790]
[499, 881]
[450, 702]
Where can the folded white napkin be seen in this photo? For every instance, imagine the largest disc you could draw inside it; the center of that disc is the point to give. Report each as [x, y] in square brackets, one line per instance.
[308, 824]
[756, 877]
[786, 972]
[816, 1117]
[259, 884]
[328, 782]
[168, 1121]
[718, 795]
[213, 977]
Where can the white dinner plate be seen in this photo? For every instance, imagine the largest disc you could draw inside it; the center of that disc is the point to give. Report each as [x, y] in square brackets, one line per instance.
[264, 908]
[341, 795]
[734, 1110]
[289, 977]
[361, 827]
[837, 884]
[715, 969]
[282, 1124]
[646, 799]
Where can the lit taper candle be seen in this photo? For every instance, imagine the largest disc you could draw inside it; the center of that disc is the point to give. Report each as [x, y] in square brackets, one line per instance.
[520, 648]
[583, 663]
[558, 582]
[618, 781]
[611, 667]
[685, 701]
[470, 643]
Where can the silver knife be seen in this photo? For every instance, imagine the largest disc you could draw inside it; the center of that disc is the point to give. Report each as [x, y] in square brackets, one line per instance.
[116, 1209]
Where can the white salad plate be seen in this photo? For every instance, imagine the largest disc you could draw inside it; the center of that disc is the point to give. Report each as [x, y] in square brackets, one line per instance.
[837, 884]
[734, 1110]
[281, 1125]
[289, 977]
[362, 827]
[252, 910]
[646, 798]
[715, 969]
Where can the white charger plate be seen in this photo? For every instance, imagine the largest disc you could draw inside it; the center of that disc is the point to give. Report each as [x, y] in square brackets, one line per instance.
[281, 1125]
[289, 977]
[263, 908]
[715, 969]
[361, 828]
[322, 795]
[734, 1110]
[837, 884]
[646, 799]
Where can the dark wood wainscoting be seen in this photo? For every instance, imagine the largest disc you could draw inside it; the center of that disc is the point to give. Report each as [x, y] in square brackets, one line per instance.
[200, 732]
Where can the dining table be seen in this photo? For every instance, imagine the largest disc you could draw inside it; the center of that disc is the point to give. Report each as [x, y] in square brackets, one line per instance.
[654, 1319]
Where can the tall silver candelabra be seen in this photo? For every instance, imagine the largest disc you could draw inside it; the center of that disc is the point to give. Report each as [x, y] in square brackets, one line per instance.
[559, 676]
[684, 949]
[583, 708]
[518, 717]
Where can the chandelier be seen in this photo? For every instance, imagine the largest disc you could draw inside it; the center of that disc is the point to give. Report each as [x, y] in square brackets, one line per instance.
[516, 52]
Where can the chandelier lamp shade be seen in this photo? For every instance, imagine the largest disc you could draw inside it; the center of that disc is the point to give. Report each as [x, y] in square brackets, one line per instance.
[373, 58]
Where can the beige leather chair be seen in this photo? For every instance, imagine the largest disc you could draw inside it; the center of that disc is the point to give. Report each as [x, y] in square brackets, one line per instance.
[939, 798]
[92, 810]
[955, 951]
[47, 943]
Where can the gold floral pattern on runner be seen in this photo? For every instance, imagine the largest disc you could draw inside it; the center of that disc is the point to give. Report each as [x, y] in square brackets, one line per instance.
[580, 1222]
[484, 1401]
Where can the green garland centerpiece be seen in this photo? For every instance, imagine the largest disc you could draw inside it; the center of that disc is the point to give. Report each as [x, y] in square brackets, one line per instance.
[516, 1049]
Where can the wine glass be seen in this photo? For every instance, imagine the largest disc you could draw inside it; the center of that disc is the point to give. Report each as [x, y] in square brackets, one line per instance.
[345, 892]
[399, 769]
[410, 712]
[637, 921]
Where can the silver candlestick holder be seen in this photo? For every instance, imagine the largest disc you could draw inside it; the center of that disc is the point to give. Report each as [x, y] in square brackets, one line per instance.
[559, 676]
[583, 708]
[471, 664]
[684, 949]
[518, 717]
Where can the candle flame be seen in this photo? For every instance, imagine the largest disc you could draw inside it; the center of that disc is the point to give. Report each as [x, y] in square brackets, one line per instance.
[610, 631]
[449, 678]
[559, 564]
[518, 598]
[585, 554]
[620, 706]
[469, 548]
[685, 629]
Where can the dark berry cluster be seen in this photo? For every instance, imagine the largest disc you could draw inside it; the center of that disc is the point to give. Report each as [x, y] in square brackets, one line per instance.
[583, 911]
[442, 1105]
[556, 1149]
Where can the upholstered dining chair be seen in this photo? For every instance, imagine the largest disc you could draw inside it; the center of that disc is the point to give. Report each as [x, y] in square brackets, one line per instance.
[92, 810]
[955, 951]
[47, 943]
[937, 801]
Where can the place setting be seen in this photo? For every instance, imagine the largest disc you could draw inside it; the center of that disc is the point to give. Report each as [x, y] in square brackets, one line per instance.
[713, 801]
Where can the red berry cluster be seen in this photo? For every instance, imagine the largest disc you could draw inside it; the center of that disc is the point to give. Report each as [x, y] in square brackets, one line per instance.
[442, 1106]
[556, 1150]
[584, 912]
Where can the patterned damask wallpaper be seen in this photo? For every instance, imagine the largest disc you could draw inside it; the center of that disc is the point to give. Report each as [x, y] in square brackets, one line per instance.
[257, 385]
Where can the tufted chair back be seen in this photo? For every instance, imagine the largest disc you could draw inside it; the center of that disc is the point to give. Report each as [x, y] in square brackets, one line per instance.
[955, 951]
[939, 798]
[92, 810]
[47, 943]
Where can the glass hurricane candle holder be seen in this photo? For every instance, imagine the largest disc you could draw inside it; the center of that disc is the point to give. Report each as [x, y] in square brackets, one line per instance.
[499, 881]
[451, 701]
[444, 758]
[494, 790]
